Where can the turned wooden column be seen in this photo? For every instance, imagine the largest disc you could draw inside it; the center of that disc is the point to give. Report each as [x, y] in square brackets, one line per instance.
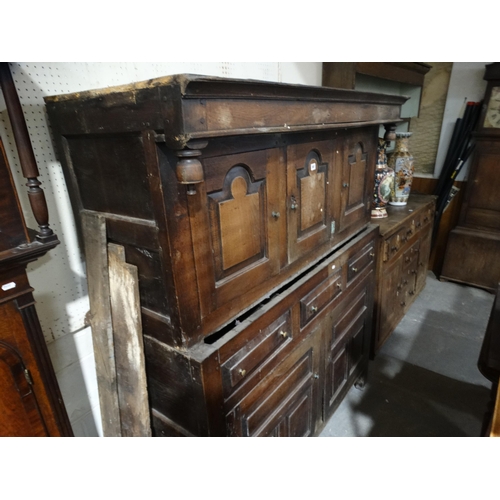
[26, 156]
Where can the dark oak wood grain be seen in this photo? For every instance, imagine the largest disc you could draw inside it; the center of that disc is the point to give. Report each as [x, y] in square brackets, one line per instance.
[229, 197]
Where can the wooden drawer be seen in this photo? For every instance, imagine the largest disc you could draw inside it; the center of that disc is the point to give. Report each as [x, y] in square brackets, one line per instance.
[410, 256]
[360, 262]
[315, 301]
[394, 244]
[256, 351]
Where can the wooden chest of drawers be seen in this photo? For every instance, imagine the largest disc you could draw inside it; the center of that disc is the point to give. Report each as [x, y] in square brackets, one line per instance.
[404, 247]
[232, 198]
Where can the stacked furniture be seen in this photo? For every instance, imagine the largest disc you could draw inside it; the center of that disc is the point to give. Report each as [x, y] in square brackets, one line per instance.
[245, 206]
[473, 246]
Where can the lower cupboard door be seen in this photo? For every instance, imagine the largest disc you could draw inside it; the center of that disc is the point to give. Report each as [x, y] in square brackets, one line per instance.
[349, 345]
[285, 404]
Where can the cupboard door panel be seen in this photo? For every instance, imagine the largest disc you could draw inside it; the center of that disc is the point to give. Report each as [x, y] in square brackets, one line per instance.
[390, 299]
[358, 167]
[348, 343]
[482, 205]
[285, 403]
[310, 196]
[244, 224]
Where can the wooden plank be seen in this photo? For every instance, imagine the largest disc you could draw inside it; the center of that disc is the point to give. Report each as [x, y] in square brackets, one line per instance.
[94, 235]
[128, 345]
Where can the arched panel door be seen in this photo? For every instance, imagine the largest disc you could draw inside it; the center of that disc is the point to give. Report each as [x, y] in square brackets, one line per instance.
[310, 196]
[243, 226]
[358, 169]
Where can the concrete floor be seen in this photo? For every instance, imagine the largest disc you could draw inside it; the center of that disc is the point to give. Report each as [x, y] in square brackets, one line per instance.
[425, 380]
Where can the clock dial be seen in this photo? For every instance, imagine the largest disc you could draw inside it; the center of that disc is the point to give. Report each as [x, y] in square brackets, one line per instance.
[492, 118]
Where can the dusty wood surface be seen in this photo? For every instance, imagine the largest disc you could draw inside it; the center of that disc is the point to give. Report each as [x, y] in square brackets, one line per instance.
[128, 345]
[94, 232]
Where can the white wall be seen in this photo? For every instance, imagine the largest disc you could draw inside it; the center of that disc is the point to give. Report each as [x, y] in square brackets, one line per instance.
[59, 277]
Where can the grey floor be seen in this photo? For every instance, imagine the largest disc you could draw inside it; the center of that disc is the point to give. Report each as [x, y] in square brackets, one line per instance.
[424, 381]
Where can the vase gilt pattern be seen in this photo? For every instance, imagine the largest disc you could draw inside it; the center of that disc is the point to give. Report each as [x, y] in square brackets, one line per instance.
[401, 161]
[384, 180]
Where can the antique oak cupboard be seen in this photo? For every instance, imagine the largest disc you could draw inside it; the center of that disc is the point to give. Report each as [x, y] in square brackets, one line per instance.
[245, 206]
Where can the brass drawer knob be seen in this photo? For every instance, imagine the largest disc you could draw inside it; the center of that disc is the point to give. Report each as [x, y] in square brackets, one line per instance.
[242, 372]
[314, 309]
[283, 334]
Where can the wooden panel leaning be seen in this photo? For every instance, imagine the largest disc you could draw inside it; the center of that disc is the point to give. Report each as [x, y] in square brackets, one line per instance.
[116, 333]
[224, 193]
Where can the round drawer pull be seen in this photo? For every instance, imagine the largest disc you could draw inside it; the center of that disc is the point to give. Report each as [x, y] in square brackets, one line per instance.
[314, 309]
[316, 376]
[346, 184]
[339, 285]
[284, 334]
[294, 206]
[372, 254]
[354, 269]
[276, 215]
[403, 303]
[242, 372]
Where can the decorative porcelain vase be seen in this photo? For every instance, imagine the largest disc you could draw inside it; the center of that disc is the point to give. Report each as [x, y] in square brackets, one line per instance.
[384, 180]
[401, 161]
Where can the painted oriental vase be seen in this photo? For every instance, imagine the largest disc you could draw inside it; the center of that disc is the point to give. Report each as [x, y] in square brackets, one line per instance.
[401, 160]
[384, 180]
